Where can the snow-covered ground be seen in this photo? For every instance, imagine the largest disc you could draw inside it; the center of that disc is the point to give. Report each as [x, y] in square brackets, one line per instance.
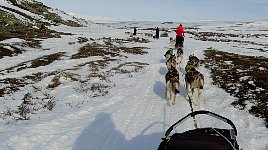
[135, 114]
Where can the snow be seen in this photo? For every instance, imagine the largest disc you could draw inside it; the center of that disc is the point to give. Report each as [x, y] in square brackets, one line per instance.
[135, 113]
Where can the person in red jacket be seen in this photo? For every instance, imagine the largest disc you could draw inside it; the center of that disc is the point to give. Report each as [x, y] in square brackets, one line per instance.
[179, 36]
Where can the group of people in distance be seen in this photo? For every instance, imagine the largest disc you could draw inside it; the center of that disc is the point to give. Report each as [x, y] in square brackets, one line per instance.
[179, 35]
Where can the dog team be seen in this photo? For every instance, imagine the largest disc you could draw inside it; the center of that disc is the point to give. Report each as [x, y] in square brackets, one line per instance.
[194, 80]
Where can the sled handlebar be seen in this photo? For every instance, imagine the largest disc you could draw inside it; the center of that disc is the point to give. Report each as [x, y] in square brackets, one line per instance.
[202, 112]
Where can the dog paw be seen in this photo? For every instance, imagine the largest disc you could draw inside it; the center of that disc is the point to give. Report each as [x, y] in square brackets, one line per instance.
[173, 102]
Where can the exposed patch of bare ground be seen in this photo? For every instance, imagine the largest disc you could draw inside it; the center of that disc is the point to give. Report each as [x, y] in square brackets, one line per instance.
[46, 60]
[18, 48]
[110, 41]
[244, 77]
[129, 67]
[102, 86]
[32, 102]
[224, 37]
[82, 40]
[11, 51]
[93, 49]
[108, 48]
[41, 61]
[43, 10]
[26, 32]
[138, 40]
[10, 85]
[96, 83]
[11, 27]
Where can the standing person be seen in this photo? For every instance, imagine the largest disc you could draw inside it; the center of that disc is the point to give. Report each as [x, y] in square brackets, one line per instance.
[135, 31]
[157, 33]
[179, 36]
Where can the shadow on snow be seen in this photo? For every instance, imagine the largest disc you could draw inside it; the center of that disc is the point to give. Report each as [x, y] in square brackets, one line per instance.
[102, 134]
[163, 71]
[162, 60]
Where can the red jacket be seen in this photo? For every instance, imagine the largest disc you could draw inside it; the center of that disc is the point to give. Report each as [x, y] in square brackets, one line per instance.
[180, 31]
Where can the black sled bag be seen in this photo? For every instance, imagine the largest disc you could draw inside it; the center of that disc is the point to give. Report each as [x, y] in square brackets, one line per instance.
[201, 138]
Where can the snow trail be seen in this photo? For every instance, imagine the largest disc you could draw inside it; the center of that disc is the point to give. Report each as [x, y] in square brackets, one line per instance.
[135, 113]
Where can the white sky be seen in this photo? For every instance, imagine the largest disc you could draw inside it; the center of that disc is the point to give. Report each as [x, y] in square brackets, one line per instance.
[168, 10]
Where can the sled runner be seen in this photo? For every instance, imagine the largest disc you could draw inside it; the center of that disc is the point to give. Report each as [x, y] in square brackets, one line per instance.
[201, 138]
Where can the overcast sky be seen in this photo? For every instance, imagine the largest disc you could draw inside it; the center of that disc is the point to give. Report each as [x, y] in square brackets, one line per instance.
[167, 10]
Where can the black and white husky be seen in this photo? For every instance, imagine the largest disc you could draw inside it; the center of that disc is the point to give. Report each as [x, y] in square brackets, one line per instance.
[195, 60]
[168, 53]
[172, 84]
[171, 62]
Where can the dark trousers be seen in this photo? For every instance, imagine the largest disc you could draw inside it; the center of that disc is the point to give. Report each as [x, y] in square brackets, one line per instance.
[179, 41]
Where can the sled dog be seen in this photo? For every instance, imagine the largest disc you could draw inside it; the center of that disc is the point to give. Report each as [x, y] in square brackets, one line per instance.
[179, 55]
[189, 66]
[172, 41]
[148, 34]
[194, 80]
[168, 53]
[172, 84]
[195, 60]
[171, 62]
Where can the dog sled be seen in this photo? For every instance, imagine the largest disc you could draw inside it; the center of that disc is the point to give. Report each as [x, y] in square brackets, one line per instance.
[201, 138]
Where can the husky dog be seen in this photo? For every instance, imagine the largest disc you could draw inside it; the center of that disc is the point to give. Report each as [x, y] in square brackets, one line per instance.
[171, 41]
[190, 65]
[148, 34]
[179, 55]
[194, 80]
[171, 62]
[168, 53]
[195, 60]
[172, 83]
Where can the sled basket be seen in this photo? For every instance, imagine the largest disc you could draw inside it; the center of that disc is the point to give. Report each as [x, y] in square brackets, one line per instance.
[201, 138]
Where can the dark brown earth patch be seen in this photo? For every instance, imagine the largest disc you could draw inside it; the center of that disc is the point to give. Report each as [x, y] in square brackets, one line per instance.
[13, 51]
[108, 48]
[225, 37]
[41, 61]
[244, 77]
